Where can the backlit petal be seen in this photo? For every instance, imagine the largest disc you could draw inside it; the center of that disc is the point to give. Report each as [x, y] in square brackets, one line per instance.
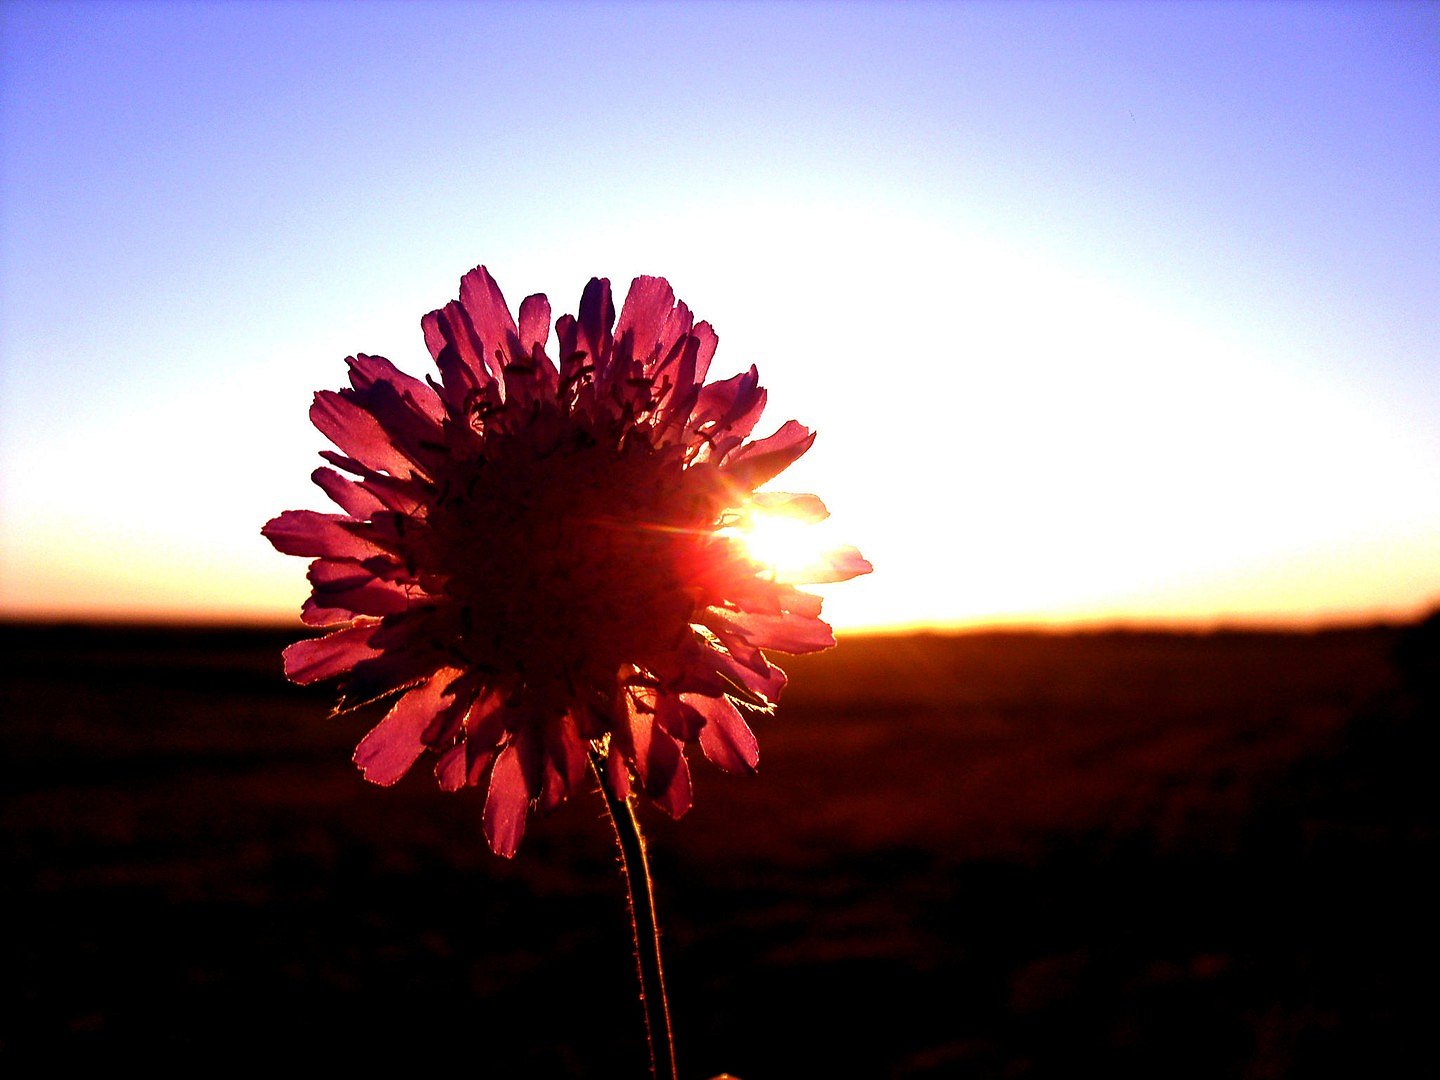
[726, 739]
[754, 463]
[392, 746]
[507, 804]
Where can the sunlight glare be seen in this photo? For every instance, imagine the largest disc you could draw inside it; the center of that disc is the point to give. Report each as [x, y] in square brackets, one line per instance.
[787, 546]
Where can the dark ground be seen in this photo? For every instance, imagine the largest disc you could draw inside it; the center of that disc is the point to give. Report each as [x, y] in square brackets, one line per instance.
[995, 855]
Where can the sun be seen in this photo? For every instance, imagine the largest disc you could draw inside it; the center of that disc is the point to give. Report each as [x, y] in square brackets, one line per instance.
[786, 546]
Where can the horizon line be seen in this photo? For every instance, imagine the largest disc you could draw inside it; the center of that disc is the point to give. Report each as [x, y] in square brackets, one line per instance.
[1058, 625]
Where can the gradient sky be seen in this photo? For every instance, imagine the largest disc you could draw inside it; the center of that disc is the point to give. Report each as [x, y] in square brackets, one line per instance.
[1102, 311]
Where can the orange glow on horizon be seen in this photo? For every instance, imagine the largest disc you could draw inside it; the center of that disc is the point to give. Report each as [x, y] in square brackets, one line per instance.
[67, 573]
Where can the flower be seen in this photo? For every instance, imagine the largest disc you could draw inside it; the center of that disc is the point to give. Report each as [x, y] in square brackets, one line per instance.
[538, 562]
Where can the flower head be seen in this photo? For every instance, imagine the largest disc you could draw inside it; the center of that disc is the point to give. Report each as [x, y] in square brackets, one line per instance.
[537, 561]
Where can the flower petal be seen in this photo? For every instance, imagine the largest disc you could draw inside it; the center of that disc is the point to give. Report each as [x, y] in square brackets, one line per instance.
[619, 775]
[513, 783]
[765, 684]
[838, 564]
[346, 493]
[483, 724]
[393, 745]
[458, 353]
[491, 318]
[306, 532]
[726, 739]
[344, 589]
[643, 316]
[759, 461]
[507, 803]
[316, 659]
[730, 407]
[314, 612]
[411, 431]
[475, 759]
[593, 322]
[366, 371]
[450, 770]
[678, 796]
[791, 504]
[565, 761]
[658, 759]
[534, 322]
[769, 597]
[356, 431]
[395, 668]
[574, 359]
[408, 648]
[678, 718]
[785, 632]
[707, 340]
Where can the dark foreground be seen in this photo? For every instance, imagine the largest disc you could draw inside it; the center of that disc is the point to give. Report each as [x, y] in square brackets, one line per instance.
[1122, 855]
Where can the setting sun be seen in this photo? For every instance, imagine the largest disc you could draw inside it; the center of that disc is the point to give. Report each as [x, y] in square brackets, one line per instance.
[787, 546]
[778, 529]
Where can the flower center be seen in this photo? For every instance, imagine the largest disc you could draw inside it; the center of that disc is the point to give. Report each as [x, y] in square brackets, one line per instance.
[570, 556]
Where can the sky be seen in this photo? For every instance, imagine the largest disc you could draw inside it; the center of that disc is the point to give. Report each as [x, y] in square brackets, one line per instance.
[1103, 312]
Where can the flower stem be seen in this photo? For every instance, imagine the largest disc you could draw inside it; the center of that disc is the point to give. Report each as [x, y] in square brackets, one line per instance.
[642, 922]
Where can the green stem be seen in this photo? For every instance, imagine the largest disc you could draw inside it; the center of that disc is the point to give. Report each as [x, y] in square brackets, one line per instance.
[642, 922]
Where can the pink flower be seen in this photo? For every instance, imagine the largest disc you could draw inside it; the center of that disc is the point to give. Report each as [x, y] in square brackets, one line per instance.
[536, 561]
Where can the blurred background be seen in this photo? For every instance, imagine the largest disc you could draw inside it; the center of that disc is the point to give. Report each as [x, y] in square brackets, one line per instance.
[1120, 325]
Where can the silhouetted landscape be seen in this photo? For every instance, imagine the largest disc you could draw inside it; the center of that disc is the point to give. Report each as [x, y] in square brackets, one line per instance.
[1123, 854]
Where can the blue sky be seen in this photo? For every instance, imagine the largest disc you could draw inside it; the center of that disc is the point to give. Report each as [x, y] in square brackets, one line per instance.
[1102, 310]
